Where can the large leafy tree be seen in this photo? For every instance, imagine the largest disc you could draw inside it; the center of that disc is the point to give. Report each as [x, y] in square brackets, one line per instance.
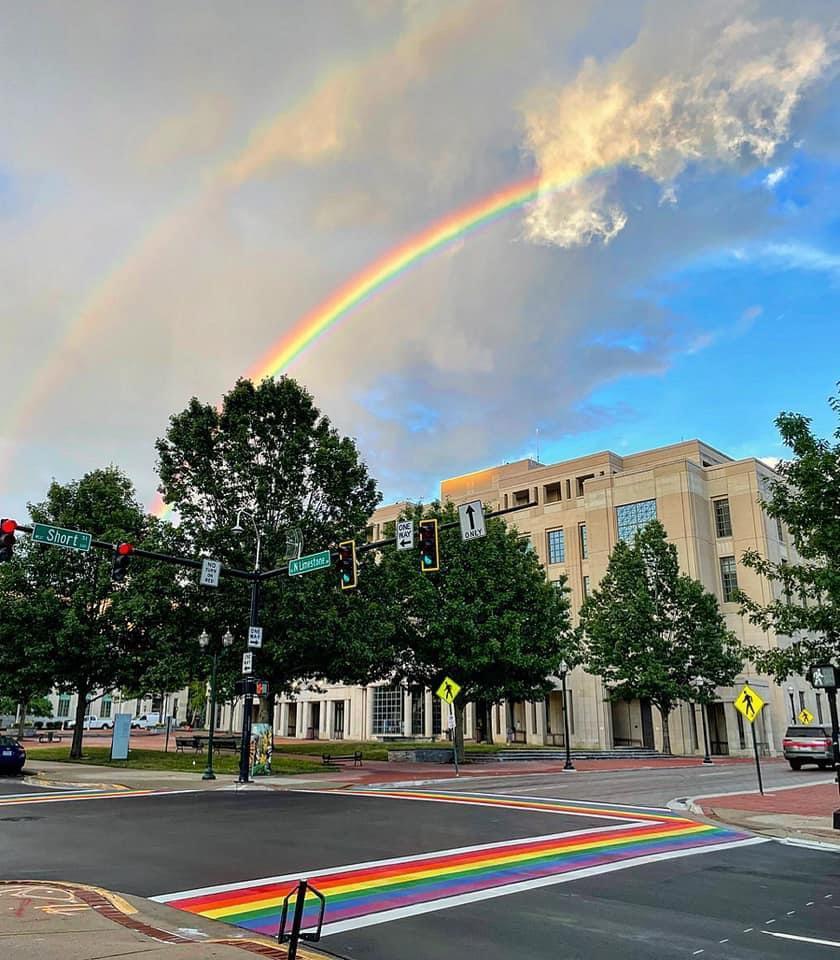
[489, 618]
[267, 449]
[108, 635]
[654, 633]
[806, 498]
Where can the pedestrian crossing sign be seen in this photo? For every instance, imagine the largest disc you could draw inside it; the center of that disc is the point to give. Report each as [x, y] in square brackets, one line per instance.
[448, 690]
[749, 703]
[805, 716]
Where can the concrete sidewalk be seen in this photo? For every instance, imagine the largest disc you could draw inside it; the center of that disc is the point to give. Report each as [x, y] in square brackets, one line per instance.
[65, 921]
[800, 812]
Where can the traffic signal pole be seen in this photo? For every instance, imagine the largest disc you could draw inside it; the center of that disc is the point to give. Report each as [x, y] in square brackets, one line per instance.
[248, 707]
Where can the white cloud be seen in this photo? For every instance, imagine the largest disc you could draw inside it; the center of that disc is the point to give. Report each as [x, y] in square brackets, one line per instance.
[775, 177]
[726, 96]
[801, 256]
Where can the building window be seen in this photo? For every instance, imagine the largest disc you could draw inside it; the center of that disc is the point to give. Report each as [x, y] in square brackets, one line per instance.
[692, 716]
[525, 538]
[584, 543]
[436, 722]
[580, 481]
[63, 705]
[728, 579]
[521, 498]
[819, 708]
[780, 531]
[556, 546]
[633, 516]
[553, 492]
[105, 708]
[723, 520]
[742, 736]
[585, 587]
[558, 584]
[387, 710]
[801, 700]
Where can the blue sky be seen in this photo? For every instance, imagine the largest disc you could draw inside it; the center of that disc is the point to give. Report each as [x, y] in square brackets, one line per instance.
[157, 238]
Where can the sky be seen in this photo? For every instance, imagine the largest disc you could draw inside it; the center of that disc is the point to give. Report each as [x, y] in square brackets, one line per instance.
[182, 184]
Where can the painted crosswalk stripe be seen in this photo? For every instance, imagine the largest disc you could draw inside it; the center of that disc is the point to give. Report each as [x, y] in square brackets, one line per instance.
[40, 798]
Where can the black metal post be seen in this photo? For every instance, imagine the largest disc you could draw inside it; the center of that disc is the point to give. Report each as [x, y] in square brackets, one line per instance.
[831, 695]
[208, 773]
[245, 751]
[297, 921]
[707, 758]
[568, 765]
[757, 762]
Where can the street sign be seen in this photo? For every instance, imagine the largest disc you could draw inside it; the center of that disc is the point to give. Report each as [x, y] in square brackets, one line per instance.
[59, 537]
[314, 561]
[805, 716]
[210, 570]
[471, 517]
[824, 677]
[749, 703]
[450, 722]
[405, 534]
[448, 690]
[247, 662]
[255, 637]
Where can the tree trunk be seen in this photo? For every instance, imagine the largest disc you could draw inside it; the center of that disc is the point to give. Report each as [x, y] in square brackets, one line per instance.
[665, 713]
[79, 727]
[459, 731]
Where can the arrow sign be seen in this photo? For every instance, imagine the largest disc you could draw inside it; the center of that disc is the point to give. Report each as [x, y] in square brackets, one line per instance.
[405, 534]
[471, 518]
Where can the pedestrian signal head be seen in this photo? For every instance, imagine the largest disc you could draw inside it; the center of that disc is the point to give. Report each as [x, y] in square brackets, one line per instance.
[429, 546]
[7, 539]
[122, 558]
[347, 564]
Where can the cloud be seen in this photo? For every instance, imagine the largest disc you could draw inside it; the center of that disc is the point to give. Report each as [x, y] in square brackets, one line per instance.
[800, 256]
[775, 177]
[725, 98]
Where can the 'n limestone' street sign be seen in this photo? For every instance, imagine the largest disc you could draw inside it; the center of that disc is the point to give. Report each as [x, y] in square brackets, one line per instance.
[59, 537]
[314, 561]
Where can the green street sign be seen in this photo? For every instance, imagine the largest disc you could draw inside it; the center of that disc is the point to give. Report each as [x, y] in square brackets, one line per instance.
[59, 537]
[315, 561]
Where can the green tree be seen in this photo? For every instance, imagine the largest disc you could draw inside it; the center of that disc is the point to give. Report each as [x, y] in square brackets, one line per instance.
[806, 498]
[651, 631]
[489, 618]
[268, 450]
[28, 631]
[109, 635]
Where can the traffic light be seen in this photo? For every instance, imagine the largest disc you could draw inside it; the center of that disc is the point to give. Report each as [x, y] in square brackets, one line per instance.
[7, 539]
[122, 558]
[347, 564]
[429, 546]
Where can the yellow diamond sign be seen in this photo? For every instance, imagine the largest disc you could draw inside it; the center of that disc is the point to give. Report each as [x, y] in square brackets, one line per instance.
[805, 716]
[749, 703]
[448, 690]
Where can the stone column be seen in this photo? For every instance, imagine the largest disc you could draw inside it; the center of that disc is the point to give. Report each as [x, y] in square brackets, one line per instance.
[428, 724]
[406, 726]
[283, 723]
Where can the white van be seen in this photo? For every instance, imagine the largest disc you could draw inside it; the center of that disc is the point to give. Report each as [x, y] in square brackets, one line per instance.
[146, 721]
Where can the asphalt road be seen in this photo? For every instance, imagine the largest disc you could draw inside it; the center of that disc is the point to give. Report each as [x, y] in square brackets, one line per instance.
[651, 786]
[715, 905]
[15, 786]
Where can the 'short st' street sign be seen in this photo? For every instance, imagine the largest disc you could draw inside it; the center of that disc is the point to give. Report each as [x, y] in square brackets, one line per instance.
[59, 537]
[315, 561]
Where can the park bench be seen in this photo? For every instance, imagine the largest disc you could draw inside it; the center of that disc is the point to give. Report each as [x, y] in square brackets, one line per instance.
[343, 758]
[182, 742]
[49, 736]
[226, 743]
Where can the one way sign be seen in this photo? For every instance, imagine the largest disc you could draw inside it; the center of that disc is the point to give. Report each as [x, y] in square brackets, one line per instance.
[405, 534]
[471, 516]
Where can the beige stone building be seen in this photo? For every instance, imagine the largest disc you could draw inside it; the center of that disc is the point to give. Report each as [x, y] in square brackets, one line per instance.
[709, 505]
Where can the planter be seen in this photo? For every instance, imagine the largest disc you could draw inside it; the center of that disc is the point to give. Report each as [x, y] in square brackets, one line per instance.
[422, 755]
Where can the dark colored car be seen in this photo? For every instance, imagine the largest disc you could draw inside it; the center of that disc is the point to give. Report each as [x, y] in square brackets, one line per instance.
[808, 744]
[12, 755]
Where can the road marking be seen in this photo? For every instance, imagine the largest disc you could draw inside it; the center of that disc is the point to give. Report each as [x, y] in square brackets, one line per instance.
[793, 936]
[790, 913]
[748, 930]
[87, 795]
[810, 903]
[697, 952]
[725, 940]
[768, 921]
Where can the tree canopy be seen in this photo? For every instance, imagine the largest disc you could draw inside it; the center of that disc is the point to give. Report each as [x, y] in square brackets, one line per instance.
[806, 499]
[654, 633]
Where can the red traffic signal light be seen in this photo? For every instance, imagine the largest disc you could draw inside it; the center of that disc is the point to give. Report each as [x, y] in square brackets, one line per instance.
[122, 558]
[429, 546]
[7, 539]
[347, 564]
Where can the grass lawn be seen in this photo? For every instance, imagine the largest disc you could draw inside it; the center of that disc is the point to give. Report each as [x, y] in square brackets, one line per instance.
[184, 762]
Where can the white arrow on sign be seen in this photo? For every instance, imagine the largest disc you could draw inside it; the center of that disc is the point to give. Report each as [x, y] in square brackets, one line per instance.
[210, 570]
[405, 534]
[471, 518]
[247, 663]
[255, 637]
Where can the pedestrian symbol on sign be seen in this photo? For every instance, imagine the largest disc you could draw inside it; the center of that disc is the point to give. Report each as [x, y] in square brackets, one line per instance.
[448, 690]
[749, 703]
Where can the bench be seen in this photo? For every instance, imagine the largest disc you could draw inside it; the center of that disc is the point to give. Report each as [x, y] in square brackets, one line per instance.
[182, 742]
[50, 736]
[343, 758]
[225, 743]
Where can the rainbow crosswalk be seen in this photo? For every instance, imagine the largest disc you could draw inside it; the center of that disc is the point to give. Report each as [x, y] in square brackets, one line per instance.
[367, 893]
[64, 796]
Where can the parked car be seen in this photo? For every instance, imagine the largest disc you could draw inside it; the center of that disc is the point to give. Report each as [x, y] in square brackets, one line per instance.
[93, 722]
[12, 755]
[146, 721]
[808, 744]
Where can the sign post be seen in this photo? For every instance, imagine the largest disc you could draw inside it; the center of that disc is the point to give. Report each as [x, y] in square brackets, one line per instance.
[826, 676]
[447, 692]
[749, 704]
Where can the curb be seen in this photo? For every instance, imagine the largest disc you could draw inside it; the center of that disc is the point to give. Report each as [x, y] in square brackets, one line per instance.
[115, 908]
[39, 780]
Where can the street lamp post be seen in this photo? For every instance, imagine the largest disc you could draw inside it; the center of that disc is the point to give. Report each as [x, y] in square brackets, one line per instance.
[701, 684]
[254, 620]
[204, 643]
[564, 669]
